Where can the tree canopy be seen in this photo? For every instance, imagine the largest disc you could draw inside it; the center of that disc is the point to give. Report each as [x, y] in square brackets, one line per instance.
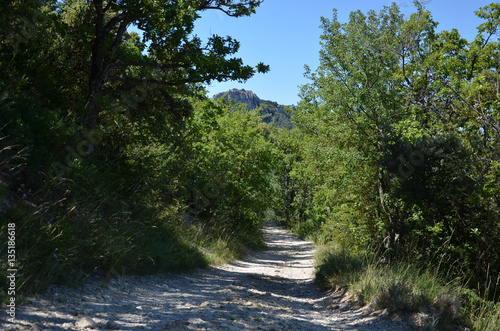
[112, 157]
[401, 144]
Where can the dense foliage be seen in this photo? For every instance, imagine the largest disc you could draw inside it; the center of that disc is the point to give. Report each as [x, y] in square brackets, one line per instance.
[112, 160]
[399, 152]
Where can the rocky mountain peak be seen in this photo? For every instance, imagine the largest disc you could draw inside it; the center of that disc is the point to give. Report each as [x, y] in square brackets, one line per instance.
[241, 96]
[273, 112]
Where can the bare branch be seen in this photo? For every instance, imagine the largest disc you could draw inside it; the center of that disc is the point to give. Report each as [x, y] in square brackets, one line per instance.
[221, 9]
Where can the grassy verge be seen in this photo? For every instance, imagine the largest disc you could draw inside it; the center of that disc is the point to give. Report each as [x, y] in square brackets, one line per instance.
[94, 230]
[481, 314]
[403, 288]
[67, 250]
[219, 246]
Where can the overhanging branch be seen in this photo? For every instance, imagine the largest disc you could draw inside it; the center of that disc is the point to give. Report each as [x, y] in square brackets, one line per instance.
[142, 80]
[149, 64]
[201, 79]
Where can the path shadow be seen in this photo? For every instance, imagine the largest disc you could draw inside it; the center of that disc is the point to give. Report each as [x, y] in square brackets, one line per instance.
[242, 295]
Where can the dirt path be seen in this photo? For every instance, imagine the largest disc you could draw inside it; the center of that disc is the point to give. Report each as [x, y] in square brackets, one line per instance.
[269, 290]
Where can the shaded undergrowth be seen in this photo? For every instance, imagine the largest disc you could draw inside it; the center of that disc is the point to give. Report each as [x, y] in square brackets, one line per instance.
[94, 223]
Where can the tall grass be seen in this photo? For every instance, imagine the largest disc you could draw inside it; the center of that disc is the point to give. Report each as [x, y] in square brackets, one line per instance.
[220, 245]
[404, 288]
[479, 312]
[486, 317]
[336, 267]
[78, 237]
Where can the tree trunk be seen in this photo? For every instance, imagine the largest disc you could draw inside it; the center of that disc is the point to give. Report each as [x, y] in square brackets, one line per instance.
[97, 72]
[302, 205]
[389, 242]
[290, 195]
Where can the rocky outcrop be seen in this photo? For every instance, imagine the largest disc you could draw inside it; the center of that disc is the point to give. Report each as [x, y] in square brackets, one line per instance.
[272, 111]
[241, 96]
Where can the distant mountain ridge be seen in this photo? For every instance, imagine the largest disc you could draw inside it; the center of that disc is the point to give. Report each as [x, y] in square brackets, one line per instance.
[274, 112]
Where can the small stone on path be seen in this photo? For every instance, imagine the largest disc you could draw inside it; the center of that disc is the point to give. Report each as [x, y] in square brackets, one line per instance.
[86, 322]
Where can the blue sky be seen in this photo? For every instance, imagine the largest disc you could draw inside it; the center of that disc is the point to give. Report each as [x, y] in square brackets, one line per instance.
[285, 35]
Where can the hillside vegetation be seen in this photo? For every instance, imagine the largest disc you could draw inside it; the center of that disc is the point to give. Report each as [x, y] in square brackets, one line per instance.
[114, 161]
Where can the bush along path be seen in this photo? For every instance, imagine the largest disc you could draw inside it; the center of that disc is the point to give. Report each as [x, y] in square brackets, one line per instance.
[268, 290]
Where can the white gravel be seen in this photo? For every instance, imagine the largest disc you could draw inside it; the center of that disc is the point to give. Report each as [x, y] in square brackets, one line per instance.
[268, 290]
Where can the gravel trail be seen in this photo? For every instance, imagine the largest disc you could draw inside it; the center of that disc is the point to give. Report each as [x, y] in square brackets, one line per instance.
[268, 290]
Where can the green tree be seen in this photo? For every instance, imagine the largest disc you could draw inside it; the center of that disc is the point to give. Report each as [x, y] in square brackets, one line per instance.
[354, 100]
[174, 56]
[234, 162]
[73, 65]
[402, 137]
